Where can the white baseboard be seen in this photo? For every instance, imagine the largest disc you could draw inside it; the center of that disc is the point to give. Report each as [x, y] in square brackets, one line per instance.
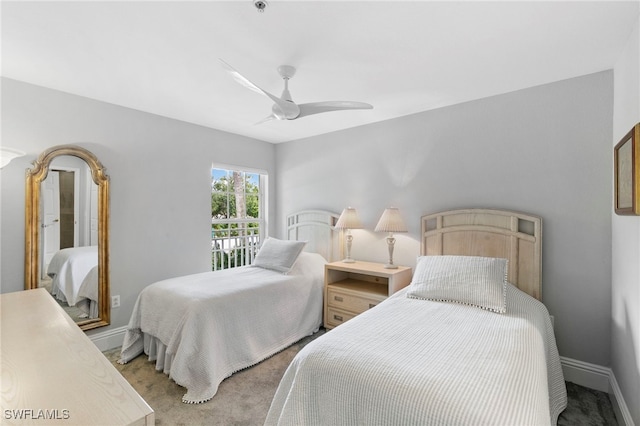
[599, 378]
[581, 373]
[109, 339]
[619, 406]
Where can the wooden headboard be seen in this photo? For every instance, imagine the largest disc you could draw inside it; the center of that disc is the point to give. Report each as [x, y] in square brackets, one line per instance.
[491, 233]
[317, 228]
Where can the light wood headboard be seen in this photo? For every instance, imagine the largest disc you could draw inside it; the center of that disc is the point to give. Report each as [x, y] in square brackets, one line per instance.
[317, 228]
[491, 233]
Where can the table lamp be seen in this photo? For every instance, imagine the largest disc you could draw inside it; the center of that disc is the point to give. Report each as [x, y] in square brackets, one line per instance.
[391, 222]
[348, 220]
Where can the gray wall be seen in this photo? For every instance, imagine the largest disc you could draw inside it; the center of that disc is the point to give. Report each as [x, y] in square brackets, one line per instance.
[160, 172]
[544, 150]
[625, 320]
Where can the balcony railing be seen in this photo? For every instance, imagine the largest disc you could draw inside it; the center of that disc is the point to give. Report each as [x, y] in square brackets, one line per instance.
[235, 244]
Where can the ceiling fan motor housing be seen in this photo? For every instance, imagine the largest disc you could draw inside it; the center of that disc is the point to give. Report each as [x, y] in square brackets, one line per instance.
[286, 71]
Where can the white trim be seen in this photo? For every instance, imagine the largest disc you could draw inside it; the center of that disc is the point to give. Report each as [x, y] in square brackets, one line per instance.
[225, 166]
[585, 374]
[619, 405]
[109, 339]
[599, 378]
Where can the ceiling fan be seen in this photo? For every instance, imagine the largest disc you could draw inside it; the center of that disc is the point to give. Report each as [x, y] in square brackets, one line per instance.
[284, 108]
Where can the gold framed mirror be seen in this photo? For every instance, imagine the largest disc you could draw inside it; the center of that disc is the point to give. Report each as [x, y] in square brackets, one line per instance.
[74, 267]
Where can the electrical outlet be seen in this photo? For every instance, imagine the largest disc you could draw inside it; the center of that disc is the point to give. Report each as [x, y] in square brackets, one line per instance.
[115, 301]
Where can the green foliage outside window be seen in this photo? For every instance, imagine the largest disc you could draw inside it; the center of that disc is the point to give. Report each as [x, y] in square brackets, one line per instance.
[234, 195]
[225, 196]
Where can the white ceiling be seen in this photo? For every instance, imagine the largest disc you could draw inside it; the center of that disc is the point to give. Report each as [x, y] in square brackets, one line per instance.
[401, 57]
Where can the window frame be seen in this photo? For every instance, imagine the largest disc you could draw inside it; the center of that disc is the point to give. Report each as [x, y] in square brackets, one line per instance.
[242, 242]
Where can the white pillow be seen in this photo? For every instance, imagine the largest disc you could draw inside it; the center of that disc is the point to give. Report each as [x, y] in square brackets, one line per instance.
[309, 264]
[470, 280]
[278, 255]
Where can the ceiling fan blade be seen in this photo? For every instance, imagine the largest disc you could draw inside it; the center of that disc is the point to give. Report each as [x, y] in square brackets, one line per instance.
[283, 109]
[318, 107]
[267, 118]
[247, 83]
[240, 78]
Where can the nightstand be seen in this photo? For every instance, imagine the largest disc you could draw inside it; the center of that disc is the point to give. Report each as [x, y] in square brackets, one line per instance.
[352, 288]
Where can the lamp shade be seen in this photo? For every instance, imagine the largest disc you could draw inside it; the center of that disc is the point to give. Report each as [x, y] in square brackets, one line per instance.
[391, 221]
[349, 219]
[8, 154]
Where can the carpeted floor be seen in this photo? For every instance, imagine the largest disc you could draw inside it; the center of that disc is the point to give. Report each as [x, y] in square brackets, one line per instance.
[245, 397]
[587, 407]
[242, 399]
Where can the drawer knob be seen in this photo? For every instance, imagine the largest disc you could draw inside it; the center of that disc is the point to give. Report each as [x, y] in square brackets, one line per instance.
[337, 298]
[337, 317]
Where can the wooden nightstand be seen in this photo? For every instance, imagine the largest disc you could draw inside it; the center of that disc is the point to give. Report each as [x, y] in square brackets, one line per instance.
[352, 288]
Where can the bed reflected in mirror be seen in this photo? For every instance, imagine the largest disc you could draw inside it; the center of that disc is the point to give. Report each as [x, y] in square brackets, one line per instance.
[67, 233]
[69, 237]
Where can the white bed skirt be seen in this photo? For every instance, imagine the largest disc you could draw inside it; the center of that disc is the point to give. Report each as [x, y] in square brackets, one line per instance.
[89, 307]
[157, 351]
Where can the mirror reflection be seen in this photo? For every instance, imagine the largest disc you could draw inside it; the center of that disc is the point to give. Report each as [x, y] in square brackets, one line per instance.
[66, 232]
[69, 237]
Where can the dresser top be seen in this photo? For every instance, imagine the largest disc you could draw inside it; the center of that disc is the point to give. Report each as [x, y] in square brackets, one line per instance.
[53, 373]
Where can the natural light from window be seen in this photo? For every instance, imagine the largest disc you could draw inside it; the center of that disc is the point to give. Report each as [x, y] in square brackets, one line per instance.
[237, 217]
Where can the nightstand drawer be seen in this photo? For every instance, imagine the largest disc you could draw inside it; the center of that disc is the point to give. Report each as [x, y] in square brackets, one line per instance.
[336, 317]
[352, 302]
[352, 288]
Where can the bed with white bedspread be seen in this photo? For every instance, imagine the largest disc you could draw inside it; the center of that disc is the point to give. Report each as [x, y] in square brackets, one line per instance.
[460, 345]
[68, 269]
[201, 328]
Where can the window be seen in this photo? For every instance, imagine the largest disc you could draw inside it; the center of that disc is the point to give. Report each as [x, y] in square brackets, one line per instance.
[237, 217]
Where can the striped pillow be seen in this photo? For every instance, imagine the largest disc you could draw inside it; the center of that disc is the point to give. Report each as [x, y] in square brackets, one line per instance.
[470, 280]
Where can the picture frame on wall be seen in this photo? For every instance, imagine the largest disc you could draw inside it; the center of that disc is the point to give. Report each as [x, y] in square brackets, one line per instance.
[627, 174]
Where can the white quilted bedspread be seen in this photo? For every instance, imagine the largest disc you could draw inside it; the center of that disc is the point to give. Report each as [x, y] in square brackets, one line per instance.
[216, 323]
[69, 267]
[416, 362]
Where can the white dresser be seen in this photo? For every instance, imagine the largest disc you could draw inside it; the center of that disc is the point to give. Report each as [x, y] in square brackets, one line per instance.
[52, 373]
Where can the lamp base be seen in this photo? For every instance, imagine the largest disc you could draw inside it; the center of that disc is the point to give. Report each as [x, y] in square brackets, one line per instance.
[348, 260]
[390, 266]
